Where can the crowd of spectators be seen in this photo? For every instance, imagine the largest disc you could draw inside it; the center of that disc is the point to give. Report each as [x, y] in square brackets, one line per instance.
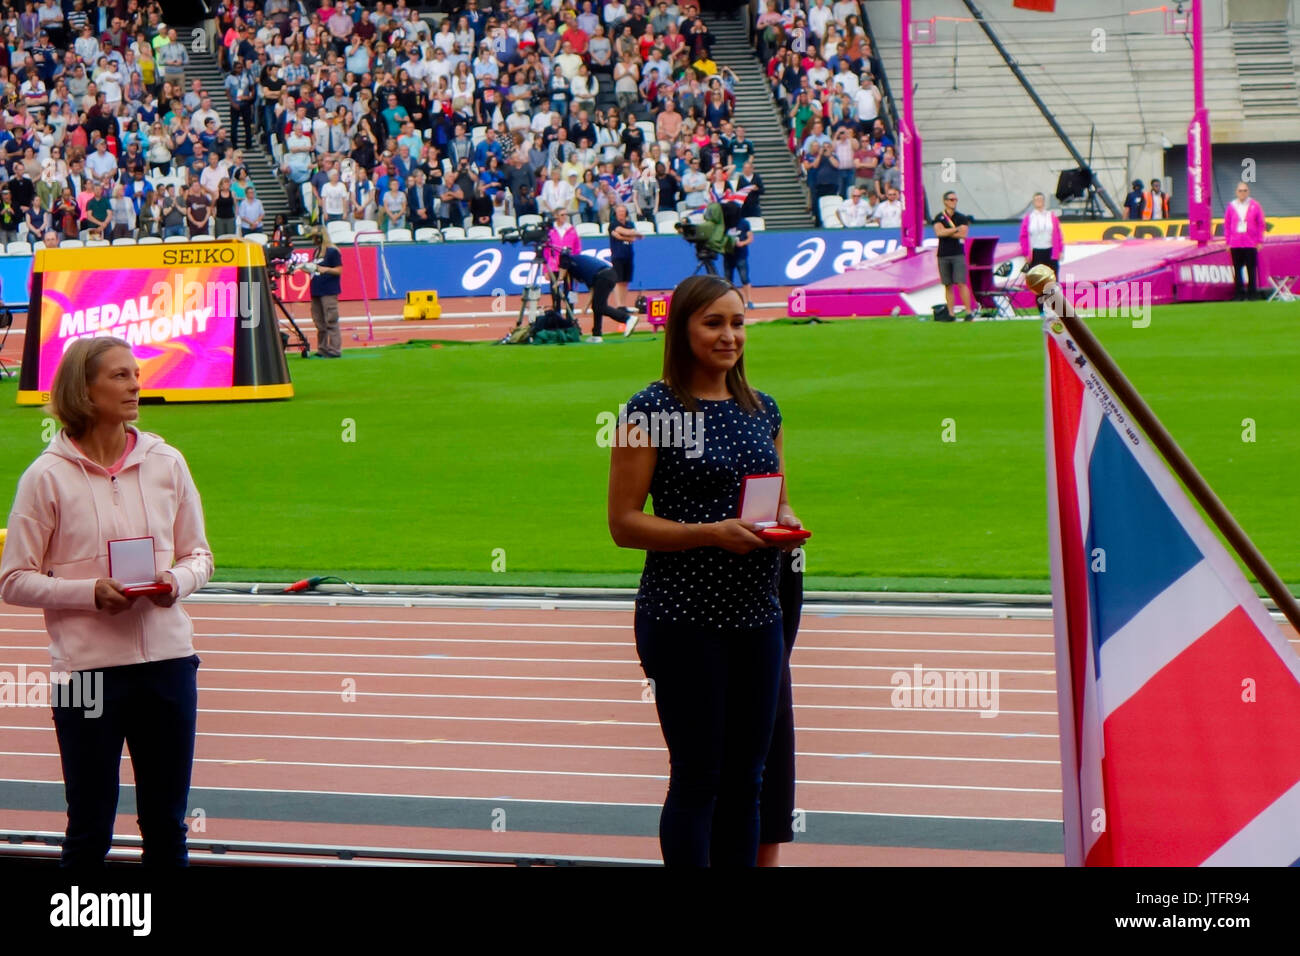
[825, 78]
[521, 108]
[99, 137]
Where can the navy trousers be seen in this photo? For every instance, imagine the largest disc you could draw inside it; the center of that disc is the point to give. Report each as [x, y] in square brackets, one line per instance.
[151, 708]
[716, 694]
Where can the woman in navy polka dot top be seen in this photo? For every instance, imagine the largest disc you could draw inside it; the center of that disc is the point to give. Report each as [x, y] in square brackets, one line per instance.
[708, 619]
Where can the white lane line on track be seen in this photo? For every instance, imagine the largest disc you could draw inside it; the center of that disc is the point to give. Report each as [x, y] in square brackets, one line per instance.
[588, 803]
[588, 700]
[611, 722]
[209, 672]
[621, 628]
[635, 723]
[553, 746]
[578, 660]
[569, 773]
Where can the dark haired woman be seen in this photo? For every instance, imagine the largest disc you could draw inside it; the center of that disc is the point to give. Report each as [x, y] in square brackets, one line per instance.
[101, 479]
[708, 616]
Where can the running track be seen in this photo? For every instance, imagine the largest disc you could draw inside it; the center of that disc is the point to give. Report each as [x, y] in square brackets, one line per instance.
[537, 720]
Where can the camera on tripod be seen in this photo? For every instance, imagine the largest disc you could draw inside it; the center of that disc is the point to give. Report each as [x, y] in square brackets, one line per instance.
[533, 234]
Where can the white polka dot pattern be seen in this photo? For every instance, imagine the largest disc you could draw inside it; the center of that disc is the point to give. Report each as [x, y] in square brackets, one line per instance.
[710, 587]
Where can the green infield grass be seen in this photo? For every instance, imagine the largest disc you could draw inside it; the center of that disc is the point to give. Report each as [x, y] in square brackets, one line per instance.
[441, 465]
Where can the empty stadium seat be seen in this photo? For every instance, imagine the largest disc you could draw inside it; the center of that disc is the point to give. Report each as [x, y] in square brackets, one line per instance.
[19, 249]
[530, 219]
[368, 238]
[257, 237]
[427, 234]
[588, 228]
[149, 241]
[504, 222]
[71, 244]
[364, 225]
[124, 241]
[177, 239]
[342, 236]
[202, 237]
[399, 235]
[97, 242]
[645, 228]
[337, 226]
[828, 205]
[478, 232]
[452, 233]
[756, 223]
[666, 228]
[667, 216]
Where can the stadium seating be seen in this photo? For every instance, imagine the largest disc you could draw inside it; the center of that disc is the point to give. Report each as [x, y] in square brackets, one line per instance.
[142, 241]
[587, 229]
[124, 241]
[18, 249]
[827, 205]
[399, 235]
[427, 234]
[258, 237]
[453, 233]
[478, 232]
[756, 223]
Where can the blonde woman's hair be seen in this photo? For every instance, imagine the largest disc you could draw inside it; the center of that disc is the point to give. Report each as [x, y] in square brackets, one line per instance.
[70, 392]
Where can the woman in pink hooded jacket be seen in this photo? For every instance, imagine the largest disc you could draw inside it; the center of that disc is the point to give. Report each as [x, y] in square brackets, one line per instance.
[101, 479]
[1041, 240]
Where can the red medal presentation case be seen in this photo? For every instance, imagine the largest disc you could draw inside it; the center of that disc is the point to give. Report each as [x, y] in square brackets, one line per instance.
[760, 500]
[135, 561]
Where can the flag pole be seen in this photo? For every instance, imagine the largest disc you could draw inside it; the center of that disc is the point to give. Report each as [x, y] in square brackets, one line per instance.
[1042, 281]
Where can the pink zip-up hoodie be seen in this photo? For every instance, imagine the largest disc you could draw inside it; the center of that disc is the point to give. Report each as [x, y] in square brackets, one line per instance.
[66, 511]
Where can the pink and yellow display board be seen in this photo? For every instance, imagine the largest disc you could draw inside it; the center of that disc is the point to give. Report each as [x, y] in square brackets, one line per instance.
[197, 317]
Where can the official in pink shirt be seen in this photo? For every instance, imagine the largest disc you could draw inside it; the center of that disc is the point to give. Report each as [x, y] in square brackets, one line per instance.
[128, 660]
[1243, 227]
[1041, 240]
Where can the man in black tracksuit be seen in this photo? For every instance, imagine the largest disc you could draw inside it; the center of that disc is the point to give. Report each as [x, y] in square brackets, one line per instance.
[600, 277]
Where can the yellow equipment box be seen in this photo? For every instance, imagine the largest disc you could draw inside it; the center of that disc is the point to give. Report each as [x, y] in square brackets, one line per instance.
[421, 305]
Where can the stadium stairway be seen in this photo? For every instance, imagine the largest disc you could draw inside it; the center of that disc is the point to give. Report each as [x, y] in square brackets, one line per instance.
[261, 168]
[785, 198]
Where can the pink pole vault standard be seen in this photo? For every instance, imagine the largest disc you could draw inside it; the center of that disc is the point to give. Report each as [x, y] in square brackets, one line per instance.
[909, 143]
[361, 273]
[1199, 167]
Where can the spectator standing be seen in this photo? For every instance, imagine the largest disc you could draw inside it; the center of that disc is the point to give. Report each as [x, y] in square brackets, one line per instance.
[123, 215]
[242, 92]
[198, 210]
[223, 211]
[853, 214]
[250, 212]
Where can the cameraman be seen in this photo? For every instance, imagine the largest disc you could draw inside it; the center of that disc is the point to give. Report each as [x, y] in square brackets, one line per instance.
[326, 268]
[601, 280]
